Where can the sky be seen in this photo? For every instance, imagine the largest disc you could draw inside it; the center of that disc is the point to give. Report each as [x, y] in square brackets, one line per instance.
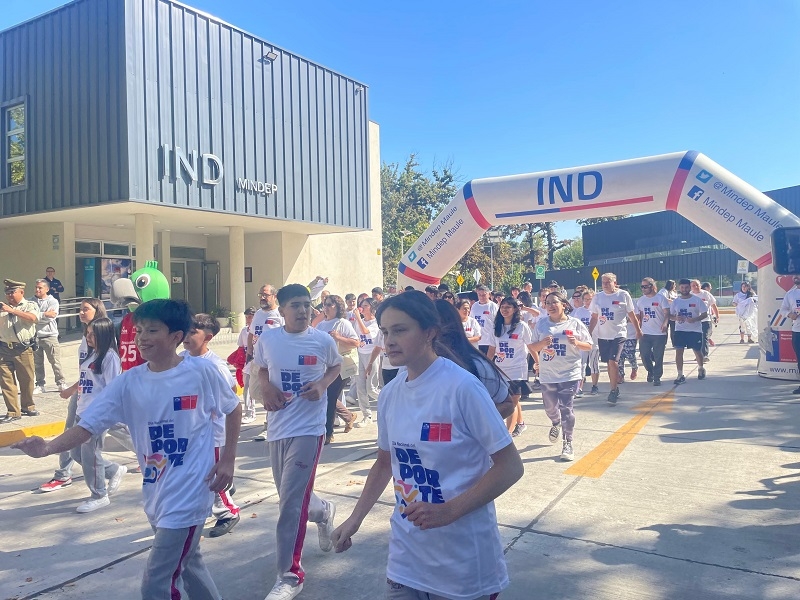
[503, 88]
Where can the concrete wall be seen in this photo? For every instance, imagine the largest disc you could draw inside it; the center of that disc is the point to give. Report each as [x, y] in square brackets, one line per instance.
[27, 250]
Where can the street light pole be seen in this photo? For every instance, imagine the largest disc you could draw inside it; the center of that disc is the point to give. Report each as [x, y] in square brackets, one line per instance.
[493, 237]
[403, 234]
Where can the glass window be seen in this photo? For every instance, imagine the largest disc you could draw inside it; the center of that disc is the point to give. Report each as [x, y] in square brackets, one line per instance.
[110, 249]
[14, 146]
[87, 248]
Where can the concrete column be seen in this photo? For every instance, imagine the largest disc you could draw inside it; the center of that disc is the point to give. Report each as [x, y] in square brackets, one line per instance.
[66, 269]
[236, 253]
[144, 239]
[165, 253]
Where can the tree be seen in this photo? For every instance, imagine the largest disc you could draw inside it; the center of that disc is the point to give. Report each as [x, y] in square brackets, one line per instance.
[570, 256]
[595, 220]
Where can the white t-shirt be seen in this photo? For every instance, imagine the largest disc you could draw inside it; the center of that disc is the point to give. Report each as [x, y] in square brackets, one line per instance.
[91, 384]
[612, 313]
[225, 372]
[560, 361]
[342, 327]
[441, 430]
[484, 314]
[747, 308]
[709, 300]
[653, 316]
[264, 319]
[690, 308]
[367, 340]
[791, 303]
[583, 314]
[83, 351]
[169, 417]
[379, 342]
[293, 360]
[511, 351]
[472, 328]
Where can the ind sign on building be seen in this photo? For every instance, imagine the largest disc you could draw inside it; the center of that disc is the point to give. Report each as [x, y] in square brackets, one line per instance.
[208, 169]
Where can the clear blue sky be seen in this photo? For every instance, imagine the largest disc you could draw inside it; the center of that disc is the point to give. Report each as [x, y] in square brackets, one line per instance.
[499, 88]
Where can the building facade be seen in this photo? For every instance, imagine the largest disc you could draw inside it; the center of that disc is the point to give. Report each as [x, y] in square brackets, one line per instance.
[663, 245]
[136, 130]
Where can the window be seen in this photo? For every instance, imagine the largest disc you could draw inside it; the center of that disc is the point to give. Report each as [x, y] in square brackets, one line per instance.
[14, 146]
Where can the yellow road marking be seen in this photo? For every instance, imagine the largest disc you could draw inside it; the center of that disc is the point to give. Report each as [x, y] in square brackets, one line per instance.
[45, 430]
[595, 463]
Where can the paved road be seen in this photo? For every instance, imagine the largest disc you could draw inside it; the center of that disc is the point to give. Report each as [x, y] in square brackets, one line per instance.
[688, 493]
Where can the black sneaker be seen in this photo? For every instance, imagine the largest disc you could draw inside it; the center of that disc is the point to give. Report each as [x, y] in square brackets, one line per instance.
[649, 378]
[701, 374]
[656, 382]
[596, 390]
[797, 391]
[680, 380]
[223, 526]
[613, 395]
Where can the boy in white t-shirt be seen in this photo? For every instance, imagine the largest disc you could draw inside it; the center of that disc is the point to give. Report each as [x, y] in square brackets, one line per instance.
[484, 311]
[204, 328]
[297, 365]
[266, 318]
[167, 404]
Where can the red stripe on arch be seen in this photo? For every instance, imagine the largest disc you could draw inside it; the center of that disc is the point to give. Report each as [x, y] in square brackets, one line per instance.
[763, 261]
[472, 206]
[607, 204]
[417, 276]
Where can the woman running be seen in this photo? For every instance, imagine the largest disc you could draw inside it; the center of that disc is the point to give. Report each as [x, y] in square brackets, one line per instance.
[560, 339]
[444, 537]
[470, 325]
[508, 347]
[367, 329]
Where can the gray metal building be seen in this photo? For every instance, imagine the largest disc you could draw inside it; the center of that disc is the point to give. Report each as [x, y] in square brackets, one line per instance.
[145, 122]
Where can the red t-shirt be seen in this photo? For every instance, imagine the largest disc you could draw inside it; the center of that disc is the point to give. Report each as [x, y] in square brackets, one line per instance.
[128, 352]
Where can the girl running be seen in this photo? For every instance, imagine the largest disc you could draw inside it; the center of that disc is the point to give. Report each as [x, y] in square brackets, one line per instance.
[366, 329]
[560, 339]
[508, 347]
[471, 327]
[98, 370]
[444, 492]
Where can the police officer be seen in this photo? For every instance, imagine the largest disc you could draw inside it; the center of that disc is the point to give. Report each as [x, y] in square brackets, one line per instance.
[18, 318]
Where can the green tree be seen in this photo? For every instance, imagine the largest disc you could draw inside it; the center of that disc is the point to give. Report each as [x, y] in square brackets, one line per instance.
[595, 220]
[570, 256]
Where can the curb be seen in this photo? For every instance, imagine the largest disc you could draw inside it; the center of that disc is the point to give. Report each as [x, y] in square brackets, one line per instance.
[45, 430]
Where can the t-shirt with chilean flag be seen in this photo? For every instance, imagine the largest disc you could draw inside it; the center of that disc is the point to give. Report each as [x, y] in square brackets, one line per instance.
[612, 314]
[293, 360]
[484, 314]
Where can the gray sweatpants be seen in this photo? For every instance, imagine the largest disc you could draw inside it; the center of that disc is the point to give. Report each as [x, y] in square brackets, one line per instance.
[49, 347]
[65, 461]
[398, 591]
[557, 399]
[175, 569]
[294, 465]
[96, 467]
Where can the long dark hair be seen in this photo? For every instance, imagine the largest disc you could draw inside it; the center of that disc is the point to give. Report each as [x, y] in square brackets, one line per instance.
[104, 340]
[461, 352]
[563, 299]
[499, 321]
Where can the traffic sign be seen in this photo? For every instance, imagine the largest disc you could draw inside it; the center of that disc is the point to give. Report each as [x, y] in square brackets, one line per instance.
[540, 271]
[476, 275]
[595, 273]
[460, 280]
[742, 267]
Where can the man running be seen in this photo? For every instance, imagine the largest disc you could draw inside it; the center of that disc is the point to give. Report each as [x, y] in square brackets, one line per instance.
[266, 318]
[688, 311]
[654, 315]
[611, 309]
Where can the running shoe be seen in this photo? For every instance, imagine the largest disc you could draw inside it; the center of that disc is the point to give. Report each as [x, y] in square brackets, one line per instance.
[522, 427]
[741, 341]
[579, 394]
[680, 380]
[116, 479]
[364, 422]
[634, 374]
[39, 389]
[649, 378]
[57, 484]
[516, 431]
[223, 526]
[613, 395]
[247, 419]
[284, 591]
[751, 341]
[701, 374]
[325, 528]
[348, 427]
[92, 504]
[595, 390]
[261, 437]
[656, 382]
[566, 451]
[555, 433]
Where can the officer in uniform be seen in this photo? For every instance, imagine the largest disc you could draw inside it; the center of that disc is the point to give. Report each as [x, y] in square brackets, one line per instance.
[18, 318]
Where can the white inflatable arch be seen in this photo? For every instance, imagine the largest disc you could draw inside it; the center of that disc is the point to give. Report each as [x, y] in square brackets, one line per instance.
[734, 212]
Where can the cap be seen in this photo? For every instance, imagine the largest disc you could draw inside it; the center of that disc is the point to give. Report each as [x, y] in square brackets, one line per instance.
[250, 310]
[12, 285]
[553, 283]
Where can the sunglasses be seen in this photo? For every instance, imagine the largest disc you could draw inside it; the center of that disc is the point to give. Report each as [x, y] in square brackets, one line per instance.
[577, 296]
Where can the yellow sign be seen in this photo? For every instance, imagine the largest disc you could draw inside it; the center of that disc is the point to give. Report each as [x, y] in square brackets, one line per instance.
[460, 280]
[595, 273]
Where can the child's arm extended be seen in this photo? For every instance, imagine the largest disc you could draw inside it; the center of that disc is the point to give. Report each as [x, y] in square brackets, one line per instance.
[221, 475]
[37, 448]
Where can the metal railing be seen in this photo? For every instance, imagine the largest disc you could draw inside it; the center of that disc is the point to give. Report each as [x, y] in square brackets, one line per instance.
[68, 312]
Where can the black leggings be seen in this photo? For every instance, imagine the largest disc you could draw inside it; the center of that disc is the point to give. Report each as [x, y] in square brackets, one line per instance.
[796, 347]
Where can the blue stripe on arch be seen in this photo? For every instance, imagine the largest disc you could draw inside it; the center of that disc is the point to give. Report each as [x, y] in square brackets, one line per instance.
[527, 212]
[401, 267]
[687, 162]
[468, 190]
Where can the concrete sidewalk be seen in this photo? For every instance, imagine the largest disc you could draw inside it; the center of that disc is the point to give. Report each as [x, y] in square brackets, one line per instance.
[690, 492]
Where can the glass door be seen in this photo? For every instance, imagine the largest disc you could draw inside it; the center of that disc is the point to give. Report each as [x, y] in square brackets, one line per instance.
[210, 285]
[177, 272]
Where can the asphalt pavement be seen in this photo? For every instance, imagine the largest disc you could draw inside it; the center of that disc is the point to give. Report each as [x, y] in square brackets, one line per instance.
[688, 492]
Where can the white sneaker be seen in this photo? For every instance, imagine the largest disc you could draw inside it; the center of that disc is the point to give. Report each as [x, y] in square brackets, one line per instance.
[247, 419]
[364, 422]
[93, 504]
[116, 479]
[39, 389]
[284, 591]
[567, 453]
[261, 437]
[325, 528]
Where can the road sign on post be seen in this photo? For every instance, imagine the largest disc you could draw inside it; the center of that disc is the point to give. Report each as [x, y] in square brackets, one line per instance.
[742, 267]
[540, 271]
[595, 274]
[476, 275]
[460, 280]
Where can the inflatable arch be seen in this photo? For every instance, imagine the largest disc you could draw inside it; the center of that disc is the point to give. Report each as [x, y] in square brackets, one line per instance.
[734, 212]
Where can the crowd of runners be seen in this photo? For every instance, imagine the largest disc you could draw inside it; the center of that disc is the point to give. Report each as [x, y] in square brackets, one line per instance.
[439, 366]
